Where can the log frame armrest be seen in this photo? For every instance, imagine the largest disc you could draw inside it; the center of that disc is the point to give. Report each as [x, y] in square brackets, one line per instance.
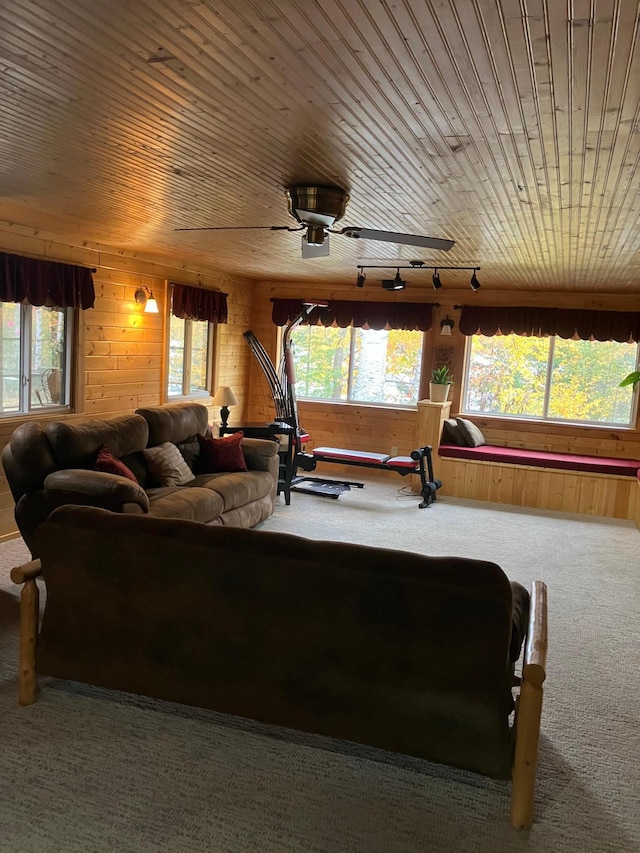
[29, 613]
[529, 710]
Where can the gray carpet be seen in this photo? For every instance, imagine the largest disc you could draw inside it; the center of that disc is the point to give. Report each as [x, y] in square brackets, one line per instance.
[90, 770]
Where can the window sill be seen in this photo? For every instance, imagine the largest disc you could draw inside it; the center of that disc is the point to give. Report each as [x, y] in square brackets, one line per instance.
[409, 407]
[538, 424]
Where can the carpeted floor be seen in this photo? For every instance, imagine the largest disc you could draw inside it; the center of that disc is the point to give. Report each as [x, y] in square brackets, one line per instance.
[90, 770]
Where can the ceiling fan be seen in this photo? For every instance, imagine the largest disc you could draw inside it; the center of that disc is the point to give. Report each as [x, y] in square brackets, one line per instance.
[317, 209]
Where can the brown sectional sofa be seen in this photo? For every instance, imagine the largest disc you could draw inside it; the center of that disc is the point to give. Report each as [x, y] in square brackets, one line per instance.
[408, 653]
[51, 466]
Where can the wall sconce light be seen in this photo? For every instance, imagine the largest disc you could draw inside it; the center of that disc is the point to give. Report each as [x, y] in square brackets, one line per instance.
[144, 296]
[475, 284]
[446, 325]
[224, 397]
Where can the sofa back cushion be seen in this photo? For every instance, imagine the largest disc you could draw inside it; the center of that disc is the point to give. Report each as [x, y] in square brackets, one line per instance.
[76, 445]
[401, 651]
[176, 423]
[27, 459]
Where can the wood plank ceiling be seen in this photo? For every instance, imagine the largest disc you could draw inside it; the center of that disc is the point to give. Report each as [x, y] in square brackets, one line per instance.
[510, 126]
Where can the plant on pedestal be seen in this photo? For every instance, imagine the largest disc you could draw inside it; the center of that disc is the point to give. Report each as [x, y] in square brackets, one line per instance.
[439, 385]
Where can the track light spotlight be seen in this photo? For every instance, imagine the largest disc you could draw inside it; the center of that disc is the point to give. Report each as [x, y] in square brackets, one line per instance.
[361, 279]
[475, 284]
[437, 284]
[394, 284]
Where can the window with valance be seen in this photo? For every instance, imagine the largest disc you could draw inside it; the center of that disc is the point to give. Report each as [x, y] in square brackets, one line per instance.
[357, 351]
[37, 300]
[550, 364]
[195, 313]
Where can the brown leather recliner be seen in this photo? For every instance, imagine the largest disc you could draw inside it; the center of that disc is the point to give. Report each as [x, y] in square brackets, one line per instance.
[50, 466]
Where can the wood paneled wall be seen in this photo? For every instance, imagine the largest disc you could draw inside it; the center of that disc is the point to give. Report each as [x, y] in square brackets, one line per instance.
[121, 363]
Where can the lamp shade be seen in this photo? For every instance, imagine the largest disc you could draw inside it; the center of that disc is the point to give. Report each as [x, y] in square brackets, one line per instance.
[224, 396]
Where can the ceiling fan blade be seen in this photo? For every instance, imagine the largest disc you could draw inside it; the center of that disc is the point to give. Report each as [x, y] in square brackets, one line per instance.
[244, 228]
[395, 237]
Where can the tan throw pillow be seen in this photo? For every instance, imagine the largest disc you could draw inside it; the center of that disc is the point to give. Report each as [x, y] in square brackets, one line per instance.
[472, 435]
[167, 466]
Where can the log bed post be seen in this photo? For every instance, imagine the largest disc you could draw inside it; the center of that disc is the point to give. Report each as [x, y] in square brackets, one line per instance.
[529, 710]
[29, 612]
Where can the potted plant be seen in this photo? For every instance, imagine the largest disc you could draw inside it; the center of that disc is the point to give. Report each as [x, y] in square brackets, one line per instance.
[631, 379]
[440, 384]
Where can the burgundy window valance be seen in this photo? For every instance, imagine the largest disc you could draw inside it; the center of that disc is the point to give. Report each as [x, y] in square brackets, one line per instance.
[45, 282]
[411, 316]
[621, 326]
[196, 303]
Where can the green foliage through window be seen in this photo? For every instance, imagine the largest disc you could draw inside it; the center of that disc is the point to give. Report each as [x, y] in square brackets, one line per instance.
[360, 365]
[549, 379]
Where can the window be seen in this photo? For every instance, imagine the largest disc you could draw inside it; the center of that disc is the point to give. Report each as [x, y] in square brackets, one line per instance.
[549, 379]
[354, 364]
[35, 357]
[190, 357]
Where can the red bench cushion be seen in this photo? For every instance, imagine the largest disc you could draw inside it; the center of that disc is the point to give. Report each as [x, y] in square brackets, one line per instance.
[544, 459]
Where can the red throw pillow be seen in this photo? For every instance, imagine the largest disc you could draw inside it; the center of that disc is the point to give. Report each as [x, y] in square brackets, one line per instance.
[108, 464]
[221, 454]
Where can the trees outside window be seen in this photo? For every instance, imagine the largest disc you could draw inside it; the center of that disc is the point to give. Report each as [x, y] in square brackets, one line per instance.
[549, 379]
[358, 365]
[35, 357]
[189, 358]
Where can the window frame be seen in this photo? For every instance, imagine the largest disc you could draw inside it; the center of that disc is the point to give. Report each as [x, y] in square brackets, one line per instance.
[25, 407]
[188, 358]
[550, 421]
[369, 403]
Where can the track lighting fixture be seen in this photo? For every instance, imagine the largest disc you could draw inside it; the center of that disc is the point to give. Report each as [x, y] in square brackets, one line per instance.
[446, 325]
[394, 283]
[398, 283]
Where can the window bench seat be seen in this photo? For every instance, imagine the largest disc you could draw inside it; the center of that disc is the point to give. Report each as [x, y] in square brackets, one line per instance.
[565, 482]
[543, 459]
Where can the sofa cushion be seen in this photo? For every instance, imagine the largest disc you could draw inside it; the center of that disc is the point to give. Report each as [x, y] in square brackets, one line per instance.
[238, 488]
[472, 436]
[194, 504]
[175, 423]
[75, 445]
[221, 454]
[108, 464]
[166, 465]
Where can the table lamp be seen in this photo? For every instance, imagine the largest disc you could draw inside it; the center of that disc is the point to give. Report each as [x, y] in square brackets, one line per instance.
[224, 397]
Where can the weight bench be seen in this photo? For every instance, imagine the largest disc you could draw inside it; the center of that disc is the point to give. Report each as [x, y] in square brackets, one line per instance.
[403, 465]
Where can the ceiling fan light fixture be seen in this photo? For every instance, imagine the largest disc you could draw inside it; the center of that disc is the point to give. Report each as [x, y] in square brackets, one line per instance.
[474, 283]
[316, 235]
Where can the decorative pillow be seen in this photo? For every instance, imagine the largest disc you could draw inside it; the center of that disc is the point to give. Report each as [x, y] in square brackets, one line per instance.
[190, 450]
[166, 465]
[109, 464]
[221, 454]
[452, 434]
[472, 435]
